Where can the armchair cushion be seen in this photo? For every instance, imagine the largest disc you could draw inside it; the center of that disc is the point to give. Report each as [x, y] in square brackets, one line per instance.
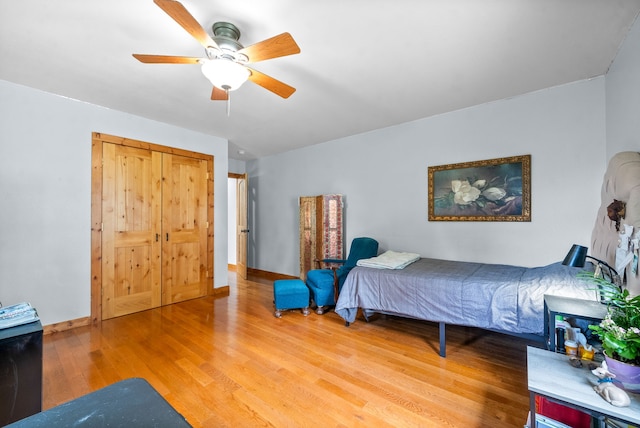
[320, 283]
[323, 283]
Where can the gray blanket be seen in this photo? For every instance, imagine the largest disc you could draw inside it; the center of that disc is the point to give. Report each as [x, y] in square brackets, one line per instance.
[489, 296]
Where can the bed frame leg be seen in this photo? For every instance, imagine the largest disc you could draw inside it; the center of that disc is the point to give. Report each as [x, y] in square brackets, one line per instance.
[443, 342]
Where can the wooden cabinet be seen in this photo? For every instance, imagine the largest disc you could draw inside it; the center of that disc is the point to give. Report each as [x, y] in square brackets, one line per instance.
[155, 241]
[321, 230]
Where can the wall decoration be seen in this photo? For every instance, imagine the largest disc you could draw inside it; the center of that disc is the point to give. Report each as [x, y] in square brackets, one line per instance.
[488, 190]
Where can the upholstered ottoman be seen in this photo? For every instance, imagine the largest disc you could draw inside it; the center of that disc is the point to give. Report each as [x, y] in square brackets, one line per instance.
[290, 294]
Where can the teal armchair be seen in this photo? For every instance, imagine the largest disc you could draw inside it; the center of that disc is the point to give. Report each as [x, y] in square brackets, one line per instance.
[325, 284]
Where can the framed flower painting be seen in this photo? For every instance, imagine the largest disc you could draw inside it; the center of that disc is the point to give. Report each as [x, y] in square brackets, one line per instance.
[488, 190]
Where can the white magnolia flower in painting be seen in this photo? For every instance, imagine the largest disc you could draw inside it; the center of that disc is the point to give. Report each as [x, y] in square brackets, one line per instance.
[464, 193]
[494, 193]
[479, 183]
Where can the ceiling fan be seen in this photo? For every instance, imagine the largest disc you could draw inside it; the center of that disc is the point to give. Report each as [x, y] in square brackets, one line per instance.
[225, 64]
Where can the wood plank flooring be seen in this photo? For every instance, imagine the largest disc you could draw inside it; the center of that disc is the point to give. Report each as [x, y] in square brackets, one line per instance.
[228, 362]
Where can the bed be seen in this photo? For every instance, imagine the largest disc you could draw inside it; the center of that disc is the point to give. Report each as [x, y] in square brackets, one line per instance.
[503, 298]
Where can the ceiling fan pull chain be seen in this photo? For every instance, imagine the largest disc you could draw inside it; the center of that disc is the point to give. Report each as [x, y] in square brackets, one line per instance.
[228, 103]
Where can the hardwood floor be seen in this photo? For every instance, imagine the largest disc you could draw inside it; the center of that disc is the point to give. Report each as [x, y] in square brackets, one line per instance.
[228, 362]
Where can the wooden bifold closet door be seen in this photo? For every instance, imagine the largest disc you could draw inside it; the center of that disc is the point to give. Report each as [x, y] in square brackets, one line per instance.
[131, 224]
[184, 228]
[154, 229]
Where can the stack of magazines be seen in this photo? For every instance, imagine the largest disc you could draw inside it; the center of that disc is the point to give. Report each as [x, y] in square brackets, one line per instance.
[21, 313]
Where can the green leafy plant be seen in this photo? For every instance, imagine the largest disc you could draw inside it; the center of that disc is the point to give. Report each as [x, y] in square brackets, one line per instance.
[619, 331]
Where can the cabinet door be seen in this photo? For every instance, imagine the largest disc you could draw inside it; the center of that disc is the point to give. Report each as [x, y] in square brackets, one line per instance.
[131, 225]
[320, 231]
[184, 224]
[310, 233]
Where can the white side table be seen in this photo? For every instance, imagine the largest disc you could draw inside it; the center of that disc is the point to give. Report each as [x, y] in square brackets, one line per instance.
[550, 375]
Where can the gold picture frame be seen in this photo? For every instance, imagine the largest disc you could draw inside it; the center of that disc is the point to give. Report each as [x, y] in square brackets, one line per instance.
[487, 190]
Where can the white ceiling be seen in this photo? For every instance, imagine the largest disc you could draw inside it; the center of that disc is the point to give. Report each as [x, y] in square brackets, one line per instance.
[364, 64]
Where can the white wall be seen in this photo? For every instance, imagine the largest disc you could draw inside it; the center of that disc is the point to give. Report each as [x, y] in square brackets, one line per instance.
[383, 175]
[45, 189]
[623, 97]
[237, 166]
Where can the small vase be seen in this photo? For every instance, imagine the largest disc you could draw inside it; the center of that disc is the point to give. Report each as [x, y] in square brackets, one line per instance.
[627, 374]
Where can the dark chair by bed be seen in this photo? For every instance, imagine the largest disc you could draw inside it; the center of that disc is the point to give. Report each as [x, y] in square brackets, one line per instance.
[325, 284]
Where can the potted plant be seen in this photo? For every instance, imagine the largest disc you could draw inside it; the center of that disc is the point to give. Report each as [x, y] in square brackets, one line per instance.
[619, 331]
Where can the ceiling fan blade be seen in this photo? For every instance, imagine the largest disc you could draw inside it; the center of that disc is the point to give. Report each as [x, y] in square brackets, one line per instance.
[218, 94]
[277, 46]
[165, 59]
[271, 84]
[177, 11]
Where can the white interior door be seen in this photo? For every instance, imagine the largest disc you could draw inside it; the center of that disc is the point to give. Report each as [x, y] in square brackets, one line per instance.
[242, 226]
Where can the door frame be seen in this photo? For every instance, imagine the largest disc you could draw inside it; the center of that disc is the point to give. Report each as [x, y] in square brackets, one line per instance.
[241, 269]
[97, 140]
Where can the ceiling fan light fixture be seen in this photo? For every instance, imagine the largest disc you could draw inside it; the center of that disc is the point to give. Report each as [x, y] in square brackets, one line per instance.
[225, 74]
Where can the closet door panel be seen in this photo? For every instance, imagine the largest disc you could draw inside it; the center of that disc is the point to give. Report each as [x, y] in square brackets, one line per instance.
[131, 226]
[184, 251]
[310, 234]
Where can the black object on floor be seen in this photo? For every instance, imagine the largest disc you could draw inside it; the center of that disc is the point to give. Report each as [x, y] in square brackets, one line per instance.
[128, 403]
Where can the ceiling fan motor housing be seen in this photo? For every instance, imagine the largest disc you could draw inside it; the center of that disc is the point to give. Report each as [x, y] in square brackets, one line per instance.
[226, 35]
